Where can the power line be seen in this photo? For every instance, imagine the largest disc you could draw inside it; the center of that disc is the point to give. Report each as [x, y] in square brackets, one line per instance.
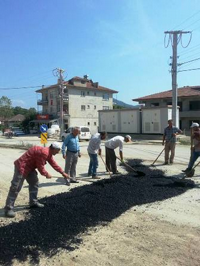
[187, 19]
[19, 88]
[189, 61]
[189, 69]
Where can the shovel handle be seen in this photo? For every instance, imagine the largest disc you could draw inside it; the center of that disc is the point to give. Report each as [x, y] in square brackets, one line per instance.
[158, 156]
[105, 165]
[126, 164]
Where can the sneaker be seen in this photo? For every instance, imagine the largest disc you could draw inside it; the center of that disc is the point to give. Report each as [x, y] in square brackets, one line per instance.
[74, 180]
[67, 182]
[36, 205]
[10, 213]
[96, 177]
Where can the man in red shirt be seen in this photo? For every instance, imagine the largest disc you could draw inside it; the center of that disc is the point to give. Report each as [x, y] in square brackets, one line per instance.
[25, 168]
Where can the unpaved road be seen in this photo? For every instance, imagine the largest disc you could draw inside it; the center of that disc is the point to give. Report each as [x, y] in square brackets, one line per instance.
[163, 232]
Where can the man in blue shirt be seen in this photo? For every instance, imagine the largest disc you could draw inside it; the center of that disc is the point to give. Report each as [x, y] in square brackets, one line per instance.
[169, 140]
[71, 142]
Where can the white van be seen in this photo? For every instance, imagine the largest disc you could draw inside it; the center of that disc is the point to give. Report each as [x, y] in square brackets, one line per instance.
[85, 133]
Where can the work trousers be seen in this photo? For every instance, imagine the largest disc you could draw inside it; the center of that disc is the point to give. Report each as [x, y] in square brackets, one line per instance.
[70, 164]
[16, 185]
[111, 160]
[194, 157]
[92, 170]
[169, 146]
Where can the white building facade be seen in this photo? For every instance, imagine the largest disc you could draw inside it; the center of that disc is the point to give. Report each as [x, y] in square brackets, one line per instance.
[82, 99]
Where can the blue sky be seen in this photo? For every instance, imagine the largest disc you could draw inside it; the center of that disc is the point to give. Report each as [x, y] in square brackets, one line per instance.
[119, 43]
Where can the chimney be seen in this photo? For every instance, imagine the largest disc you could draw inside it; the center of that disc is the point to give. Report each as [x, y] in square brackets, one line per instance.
[96, 84]
[85, 76]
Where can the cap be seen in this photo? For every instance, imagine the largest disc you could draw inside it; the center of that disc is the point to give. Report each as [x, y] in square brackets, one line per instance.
[194, 125]
[56, 145]
[128, 137]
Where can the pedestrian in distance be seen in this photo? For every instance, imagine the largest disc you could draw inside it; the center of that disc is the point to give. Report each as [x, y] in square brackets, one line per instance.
[94, 149]
[71, 143]
[25, 168]
[110, 146]
[169, 140]
[195, 147]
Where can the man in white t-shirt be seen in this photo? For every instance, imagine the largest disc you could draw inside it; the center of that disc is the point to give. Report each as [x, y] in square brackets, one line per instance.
[110, 146]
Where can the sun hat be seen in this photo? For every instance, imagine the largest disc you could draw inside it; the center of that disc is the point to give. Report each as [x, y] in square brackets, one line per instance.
[56, 145]
[128, 137]
[194, 125]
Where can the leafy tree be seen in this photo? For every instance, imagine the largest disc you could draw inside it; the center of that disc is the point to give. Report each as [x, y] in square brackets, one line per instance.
[6, 110]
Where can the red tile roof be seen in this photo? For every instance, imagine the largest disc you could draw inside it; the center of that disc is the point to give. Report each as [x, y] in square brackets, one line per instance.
[89, 85]
[182, 92]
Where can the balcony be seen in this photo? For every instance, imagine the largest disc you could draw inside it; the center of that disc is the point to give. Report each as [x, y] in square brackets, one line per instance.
[188, 114]
[42, 102]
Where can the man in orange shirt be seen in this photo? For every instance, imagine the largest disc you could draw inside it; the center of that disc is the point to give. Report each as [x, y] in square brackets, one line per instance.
[25, 168]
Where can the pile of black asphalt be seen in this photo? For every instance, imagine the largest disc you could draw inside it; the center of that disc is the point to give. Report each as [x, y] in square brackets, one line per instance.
[61, 224]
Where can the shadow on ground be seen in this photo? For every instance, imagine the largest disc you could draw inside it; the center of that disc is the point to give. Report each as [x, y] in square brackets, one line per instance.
[67, 215]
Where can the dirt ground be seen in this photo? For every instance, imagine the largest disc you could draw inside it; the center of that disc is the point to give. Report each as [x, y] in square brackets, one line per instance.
[163, 232]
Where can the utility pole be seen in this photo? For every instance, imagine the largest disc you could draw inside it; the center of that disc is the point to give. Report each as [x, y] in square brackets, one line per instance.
[176, 37]
[59, 72]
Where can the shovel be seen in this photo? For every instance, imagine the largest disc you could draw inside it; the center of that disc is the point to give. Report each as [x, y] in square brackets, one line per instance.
[158, 157]
[137, 172]
[192, 171]
[105, 165]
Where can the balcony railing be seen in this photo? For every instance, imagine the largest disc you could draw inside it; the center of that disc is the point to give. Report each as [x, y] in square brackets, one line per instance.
[42, 102]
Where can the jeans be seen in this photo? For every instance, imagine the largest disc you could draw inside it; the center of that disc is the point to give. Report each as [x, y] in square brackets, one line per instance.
[195, 155]
[92, 170]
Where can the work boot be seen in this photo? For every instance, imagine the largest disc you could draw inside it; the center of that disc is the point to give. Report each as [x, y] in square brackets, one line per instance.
[36, 205]
[9, 213]
[186, 170]
[166, 163]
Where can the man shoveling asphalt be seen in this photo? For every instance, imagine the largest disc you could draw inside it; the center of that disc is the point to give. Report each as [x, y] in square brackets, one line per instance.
[25, 168]
[110, 146]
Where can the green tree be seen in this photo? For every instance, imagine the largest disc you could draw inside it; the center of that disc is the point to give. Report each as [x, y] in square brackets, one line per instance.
[6, 110]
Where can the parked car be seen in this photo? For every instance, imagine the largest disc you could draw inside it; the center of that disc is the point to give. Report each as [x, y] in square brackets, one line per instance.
[85, 133]
[18, 132]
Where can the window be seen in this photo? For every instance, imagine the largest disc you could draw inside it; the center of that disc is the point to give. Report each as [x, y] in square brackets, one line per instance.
[82, 94]
[88, 93]
[95, 94]
[88, 123]
[95, 107]
[194, 105]
[51, 102]
[51, 95]
[95, 123]
[106, 97]
[82, 107]
[154, 104]
[88, 107]
[105, 107]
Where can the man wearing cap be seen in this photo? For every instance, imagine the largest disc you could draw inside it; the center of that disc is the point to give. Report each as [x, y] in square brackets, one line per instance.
[195, 148]
[94, 148]
[110, 146]
[25, 168]
[169, 140]
[71, 143]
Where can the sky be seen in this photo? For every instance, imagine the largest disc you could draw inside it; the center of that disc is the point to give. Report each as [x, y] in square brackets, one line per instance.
[118, 43]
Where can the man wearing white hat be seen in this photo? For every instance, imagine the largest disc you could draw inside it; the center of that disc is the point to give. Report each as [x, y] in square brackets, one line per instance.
[195, 152]
[25, 168]
[110, 146]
